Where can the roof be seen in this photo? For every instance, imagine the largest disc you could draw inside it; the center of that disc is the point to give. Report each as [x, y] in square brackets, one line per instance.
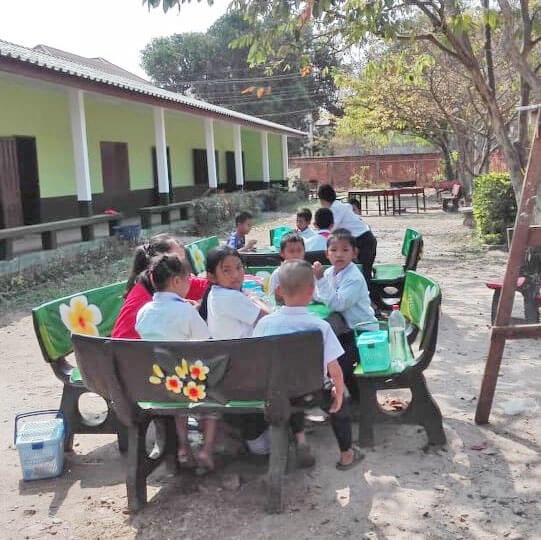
[103, 72]
[96, 63]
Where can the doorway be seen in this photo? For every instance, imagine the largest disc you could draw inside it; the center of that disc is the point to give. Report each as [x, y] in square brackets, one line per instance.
[115, 173]
[19, 182]
[200, 167]
[231, 171]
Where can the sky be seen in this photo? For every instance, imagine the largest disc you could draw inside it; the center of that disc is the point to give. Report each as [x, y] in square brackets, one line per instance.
[113, 29]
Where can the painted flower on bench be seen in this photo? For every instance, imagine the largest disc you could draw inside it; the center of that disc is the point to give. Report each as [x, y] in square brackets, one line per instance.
[185, 379]
[80, 317]
[198, 259]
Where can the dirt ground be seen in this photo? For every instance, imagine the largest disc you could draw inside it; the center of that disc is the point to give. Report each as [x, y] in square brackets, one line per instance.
[399, 491]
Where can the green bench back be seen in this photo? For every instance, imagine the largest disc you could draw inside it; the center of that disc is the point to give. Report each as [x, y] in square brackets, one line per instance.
[419, 291]
[91, 312]
[275, 235]
[409, 235]
[197, 252]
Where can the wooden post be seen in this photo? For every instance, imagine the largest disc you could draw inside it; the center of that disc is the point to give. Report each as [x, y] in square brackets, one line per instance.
[519, 244]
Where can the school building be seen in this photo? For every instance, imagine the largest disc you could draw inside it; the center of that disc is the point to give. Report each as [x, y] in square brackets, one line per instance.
[81, 135]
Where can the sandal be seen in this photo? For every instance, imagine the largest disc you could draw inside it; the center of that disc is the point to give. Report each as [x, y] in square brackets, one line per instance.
[357, 458]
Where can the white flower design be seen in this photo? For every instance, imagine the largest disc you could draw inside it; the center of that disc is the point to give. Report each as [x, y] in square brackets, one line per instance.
[80, 317]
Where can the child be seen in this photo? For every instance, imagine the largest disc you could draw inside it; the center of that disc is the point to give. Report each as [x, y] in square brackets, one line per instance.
[304, 218]
[170, 317]
[297, 287]
[323, 221]
[343, 289]
[231, 314]
[345, 218]
[291, 247]
[237, 238]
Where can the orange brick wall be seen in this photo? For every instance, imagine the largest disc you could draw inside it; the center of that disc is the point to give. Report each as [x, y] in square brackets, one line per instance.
[337, 170]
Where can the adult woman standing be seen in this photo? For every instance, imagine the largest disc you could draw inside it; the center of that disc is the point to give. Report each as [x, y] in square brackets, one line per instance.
[139, 289]
[345, 218]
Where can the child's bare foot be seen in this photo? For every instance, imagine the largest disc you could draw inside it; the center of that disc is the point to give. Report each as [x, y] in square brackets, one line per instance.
[185, 458]
[205, 460]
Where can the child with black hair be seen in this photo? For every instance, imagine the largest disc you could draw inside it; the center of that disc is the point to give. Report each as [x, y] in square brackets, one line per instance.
[345, 218]
[237, 238]
[291, 247]
[170, 317]
[304, 218]
[323, 220]
[343, 289]
[231, 314]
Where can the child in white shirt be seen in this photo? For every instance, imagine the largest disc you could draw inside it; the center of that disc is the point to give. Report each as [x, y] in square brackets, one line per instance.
[231, 314]
[297, 287]
[343, 289]
[324, 221]
[169, 317]
[291, 247]
[304, 218]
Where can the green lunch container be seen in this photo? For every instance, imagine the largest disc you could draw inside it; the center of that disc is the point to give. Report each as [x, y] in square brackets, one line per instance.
[374, 351]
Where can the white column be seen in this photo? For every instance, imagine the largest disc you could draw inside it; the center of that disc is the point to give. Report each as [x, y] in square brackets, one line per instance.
[237, 142]
[285, 161]
[161, 154]
[211, 160]
[265, 157]
[80, 144]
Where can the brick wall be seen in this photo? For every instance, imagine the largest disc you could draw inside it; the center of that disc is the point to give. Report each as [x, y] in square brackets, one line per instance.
[337, 170]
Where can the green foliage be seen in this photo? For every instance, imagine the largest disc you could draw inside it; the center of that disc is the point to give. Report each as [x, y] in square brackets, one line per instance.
[494, 206]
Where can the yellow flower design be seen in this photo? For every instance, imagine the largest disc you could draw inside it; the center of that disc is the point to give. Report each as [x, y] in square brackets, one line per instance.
[182, 369]
[198, 259]
[158, 376]
[80, 317]
[265, 276]
[173, 384]
[198, 371]
[194, 392]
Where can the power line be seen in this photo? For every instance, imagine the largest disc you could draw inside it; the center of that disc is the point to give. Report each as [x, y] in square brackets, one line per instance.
[288, 112]
[263, 78]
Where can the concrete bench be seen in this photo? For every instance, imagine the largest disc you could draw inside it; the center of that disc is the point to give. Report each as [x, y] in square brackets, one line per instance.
[49, 230]
[164, 210]
[147, 380]
[467, 212]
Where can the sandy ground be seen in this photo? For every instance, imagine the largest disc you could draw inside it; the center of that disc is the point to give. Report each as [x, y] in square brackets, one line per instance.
[398, 492]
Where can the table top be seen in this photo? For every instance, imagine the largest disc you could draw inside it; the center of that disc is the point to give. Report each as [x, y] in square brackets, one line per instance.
[385, 191]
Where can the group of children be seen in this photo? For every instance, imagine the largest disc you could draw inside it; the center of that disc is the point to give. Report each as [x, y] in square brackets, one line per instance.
[231, 314]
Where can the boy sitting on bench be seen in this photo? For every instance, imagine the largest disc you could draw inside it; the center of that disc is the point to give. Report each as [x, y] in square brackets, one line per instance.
[296, 288]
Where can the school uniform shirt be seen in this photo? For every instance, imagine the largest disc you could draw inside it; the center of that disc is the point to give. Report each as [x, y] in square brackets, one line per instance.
[236, 240]
[345, 218]
[346, 292]
[170, 317]
[318, 242]
[307, 233]
[231, 314]
[274, 281]
[291, 319]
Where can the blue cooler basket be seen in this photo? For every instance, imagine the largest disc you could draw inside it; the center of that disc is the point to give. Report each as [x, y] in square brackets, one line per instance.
[374, 351]
[40, 442]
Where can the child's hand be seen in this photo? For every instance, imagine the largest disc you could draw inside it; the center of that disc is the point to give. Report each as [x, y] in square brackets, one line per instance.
[318, 269]
[251, 244]
[336, 400]
[195, 303]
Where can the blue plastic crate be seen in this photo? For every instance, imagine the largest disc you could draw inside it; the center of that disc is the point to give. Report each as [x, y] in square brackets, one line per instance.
[374, 351]
[40, 442]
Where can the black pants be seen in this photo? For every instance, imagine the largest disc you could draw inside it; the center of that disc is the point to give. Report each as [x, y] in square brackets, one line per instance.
[340, 420]
[366, 244]
[348, 362]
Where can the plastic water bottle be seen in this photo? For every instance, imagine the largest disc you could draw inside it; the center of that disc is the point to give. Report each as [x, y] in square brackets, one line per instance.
[397, 340]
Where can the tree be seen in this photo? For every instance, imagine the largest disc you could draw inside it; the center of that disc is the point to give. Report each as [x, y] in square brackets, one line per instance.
[446, 24]
[203, 65]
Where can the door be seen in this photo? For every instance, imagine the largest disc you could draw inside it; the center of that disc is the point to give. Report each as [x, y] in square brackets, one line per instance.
[27, 161]
[231, 171]
[155, 176]
[200, 167]
[11, 209]
[115, 172]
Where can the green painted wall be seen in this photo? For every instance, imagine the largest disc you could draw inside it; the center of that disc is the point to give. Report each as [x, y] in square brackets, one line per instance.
[118, 122]
[41, 113]
[251, 145]
[183, 133]
[223, 142]
[275, 156]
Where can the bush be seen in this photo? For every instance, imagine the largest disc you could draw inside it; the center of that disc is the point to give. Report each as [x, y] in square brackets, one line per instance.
[494, 206]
